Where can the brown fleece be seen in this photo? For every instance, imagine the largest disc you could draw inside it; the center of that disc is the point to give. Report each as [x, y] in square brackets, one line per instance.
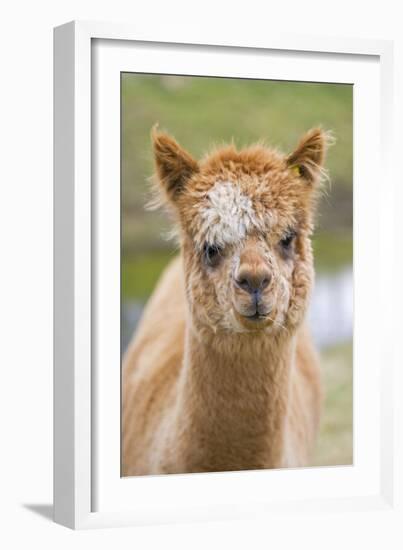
[205, 385]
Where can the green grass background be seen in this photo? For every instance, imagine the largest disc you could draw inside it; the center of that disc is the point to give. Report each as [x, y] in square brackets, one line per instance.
[201, 112]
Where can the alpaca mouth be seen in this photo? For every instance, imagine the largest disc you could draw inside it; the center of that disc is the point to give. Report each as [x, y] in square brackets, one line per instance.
[259, 314]
[256, 317]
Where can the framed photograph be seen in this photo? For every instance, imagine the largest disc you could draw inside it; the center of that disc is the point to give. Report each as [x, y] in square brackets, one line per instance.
[220, 235]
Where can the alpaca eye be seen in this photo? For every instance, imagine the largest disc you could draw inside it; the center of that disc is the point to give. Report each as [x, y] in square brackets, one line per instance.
[287, 240]
[212, 254]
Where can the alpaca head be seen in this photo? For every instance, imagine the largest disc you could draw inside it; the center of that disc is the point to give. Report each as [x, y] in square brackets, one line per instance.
[244, 219]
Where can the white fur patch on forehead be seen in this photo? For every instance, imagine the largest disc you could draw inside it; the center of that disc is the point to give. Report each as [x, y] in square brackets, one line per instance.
[228, 214]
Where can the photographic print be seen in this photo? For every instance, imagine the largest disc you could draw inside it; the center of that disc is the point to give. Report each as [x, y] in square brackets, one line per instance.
[236, 274]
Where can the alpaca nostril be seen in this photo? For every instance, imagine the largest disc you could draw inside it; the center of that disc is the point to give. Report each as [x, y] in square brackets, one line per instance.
[253, 284]
[244, 284]
[265, 282]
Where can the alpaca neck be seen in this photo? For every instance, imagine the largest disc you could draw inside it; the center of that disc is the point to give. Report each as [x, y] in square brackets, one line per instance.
[234, 389]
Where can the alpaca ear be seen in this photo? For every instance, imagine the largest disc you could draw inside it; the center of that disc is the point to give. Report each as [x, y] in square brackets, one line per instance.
[307, 159]
[174, 165]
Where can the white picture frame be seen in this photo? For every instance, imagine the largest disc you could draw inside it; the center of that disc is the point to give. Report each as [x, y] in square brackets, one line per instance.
[88, 490]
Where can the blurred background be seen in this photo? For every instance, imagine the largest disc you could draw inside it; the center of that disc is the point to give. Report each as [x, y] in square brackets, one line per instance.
[200, 112]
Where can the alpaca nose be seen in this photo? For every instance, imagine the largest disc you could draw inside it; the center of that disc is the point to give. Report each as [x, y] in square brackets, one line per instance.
[253, 282]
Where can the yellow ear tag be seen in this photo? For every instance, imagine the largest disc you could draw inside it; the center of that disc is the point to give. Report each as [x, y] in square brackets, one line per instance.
[296, 170]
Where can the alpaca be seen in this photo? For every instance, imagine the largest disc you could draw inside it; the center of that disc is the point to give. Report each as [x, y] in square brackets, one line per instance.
[222, 374]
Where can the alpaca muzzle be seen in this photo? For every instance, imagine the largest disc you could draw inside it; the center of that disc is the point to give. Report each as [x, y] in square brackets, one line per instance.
[252, 282]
